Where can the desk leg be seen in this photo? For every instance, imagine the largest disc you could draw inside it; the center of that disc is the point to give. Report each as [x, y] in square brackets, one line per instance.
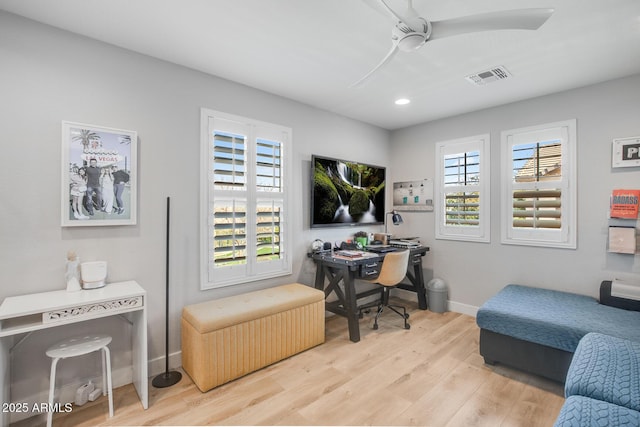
[319, 284]
[351, 306]
[348, 298]
[420, 287]
[139, 357]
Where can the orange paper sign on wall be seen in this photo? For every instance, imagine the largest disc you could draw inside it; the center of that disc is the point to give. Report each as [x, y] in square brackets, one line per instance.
[624, 204]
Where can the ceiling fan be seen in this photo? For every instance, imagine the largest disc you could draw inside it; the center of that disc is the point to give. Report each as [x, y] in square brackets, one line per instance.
[411, 31]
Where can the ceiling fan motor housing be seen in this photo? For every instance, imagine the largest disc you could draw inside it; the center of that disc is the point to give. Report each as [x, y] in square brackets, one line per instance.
[414, 37]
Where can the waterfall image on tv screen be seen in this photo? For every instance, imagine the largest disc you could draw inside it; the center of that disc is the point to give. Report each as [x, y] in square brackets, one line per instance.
[346, 193]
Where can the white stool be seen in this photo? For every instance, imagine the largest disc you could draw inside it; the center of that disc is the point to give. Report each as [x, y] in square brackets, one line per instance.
[77, 347]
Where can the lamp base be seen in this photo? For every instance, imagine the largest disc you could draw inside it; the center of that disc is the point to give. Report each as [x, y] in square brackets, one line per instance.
[166, 379]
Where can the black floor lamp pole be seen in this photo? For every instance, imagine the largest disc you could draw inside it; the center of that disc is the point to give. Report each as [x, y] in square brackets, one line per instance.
[167, 378]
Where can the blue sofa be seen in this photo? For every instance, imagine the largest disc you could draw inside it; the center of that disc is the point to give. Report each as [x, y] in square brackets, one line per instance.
[538, 330]
[592, 346]
[603, 384]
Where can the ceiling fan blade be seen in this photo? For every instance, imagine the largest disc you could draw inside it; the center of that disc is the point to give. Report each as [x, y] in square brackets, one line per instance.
[382, 7]
[518, 19]
[386, 59]
[377, 6]
[395, 14]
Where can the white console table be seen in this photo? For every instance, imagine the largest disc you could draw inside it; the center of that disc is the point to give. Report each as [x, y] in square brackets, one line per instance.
[27, 313]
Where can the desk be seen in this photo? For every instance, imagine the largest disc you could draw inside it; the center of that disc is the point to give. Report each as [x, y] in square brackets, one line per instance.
[27, 313]
[338, 269]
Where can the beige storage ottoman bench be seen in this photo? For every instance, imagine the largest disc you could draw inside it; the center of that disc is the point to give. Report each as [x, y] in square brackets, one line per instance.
[227, 338]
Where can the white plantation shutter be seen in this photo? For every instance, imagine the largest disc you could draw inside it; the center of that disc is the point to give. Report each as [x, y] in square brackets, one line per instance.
[268, 165]
[229, 233]
[462, 208]
[228, 160]
[269, 211]
[461, 182]
[539, 185]
[269, 232]
[463, 191]
[244, 190]
[537, 208]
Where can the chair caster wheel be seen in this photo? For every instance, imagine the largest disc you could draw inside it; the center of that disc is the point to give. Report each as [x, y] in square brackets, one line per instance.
[407, 327]
[360, 315]
[375, 326]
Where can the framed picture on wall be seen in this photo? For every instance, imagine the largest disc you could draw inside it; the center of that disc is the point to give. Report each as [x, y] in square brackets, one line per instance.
[413, 195]
[99, 168]
[626, 152]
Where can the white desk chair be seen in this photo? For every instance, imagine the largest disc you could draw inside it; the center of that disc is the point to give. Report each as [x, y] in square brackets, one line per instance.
[77, 347]
[393, 271]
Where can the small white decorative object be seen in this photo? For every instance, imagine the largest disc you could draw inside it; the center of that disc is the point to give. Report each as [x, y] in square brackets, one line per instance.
[93, 274]
[73, 272]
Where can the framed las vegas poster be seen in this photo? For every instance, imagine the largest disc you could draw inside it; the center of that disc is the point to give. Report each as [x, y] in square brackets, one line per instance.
[99, 168]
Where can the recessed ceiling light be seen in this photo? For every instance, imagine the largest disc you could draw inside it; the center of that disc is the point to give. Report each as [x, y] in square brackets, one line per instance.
[402, 101]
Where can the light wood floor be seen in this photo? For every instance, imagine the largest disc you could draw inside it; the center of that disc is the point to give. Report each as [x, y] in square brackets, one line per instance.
[430, 375]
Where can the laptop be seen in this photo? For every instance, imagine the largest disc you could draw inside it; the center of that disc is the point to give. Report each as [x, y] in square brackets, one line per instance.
[381, 249]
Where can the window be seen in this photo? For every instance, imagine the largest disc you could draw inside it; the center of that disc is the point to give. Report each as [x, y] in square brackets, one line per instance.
[245, 183]
[539, 185]
[462, 201]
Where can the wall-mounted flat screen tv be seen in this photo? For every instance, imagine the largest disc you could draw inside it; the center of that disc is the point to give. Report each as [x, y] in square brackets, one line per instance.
[346, 193]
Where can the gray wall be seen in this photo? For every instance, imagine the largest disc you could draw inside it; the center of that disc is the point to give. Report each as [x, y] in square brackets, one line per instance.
[47, 76]
[475, 271]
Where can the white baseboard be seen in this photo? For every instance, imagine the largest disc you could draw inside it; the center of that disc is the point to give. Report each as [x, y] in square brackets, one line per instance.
[456, 307]
[158, 365]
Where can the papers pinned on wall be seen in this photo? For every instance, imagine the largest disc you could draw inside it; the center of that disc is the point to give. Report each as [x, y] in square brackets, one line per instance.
[624, 204]
[622, 240]
[413, 195]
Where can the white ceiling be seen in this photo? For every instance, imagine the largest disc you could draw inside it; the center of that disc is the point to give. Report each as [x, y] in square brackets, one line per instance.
[312, 50]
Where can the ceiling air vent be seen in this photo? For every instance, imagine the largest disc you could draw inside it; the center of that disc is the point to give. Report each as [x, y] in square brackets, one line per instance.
[489, 76]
